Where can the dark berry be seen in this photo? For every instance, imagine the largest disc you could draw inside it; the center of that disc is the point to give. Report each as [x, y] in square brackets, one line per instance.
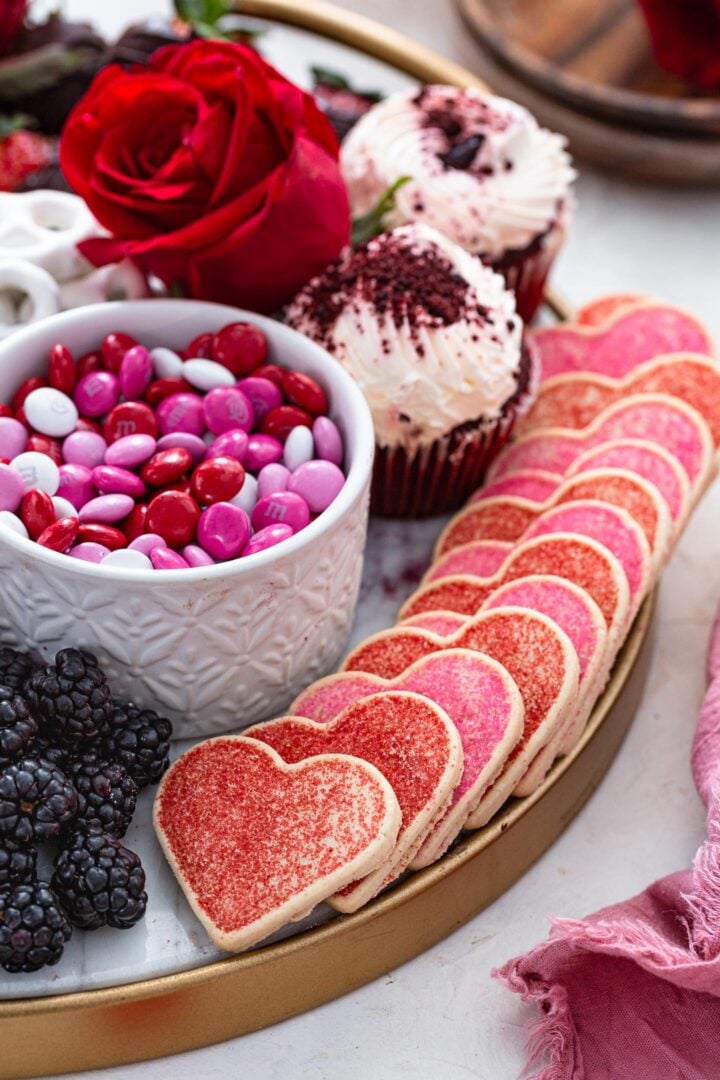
[17, 864]
[99, 881]
[52, 751]
[16, 667]
[71, 698]
[140, 740]
[106, 794]
[36, 801]
[33, 927]
[17, 727]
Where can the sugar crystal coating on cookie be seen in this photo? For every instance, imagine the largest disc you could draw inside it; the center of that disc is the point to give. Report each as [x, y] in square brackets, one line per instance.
[535, 485]
[482, 558]
[649, 461]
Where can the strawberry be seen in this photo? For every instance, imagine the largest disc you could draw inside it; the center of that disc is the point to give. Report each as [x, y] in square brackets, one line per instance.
[22, 152]
[12, 15]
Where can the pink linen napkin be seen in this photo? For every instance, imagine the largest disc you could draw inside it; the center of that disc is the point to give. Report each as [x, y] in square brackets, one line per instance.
[633, 991]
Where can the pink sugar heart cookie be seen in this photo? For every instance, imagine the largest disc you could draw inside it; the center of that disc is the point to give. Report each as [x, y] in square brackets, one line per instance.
[442, 623]
[482, 558]
[535, 652]
[573, 401]
[647, 460]
[611, 527]
[256, 843]
[475, 691]
[616, 346]
[457, 550]
[535, 485]
[575, 612]
[656, 418]
[607, 308]
[409, 739]
[580, 559]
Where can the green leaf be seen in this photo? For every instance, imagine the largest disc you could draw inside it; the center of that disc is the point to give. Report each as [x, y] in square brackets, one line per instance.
[337, 81]
[29, 72]
[16, 122]
[202, 12]
[215, 19]
[373, 222]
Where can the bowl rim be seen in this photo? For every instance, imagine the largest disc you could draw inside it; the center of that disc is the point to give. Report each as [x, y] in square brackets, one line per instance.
[357, 475]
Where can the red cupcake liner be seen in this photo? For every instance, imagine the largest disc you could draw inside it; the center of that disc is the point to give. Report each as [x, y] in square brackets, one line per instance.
[526, 271]
[440, 477]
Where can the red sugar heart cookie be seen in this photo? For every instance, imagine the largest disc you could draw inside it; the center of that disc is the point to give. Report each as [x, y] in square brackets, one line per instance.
[477, 522]
[656, 418]
[615, 347]
[476, 692]
[609, 307]
[256, 843]
[573, 401]
[580, 559]
[409, 739]
[649, 461]
[533, 650]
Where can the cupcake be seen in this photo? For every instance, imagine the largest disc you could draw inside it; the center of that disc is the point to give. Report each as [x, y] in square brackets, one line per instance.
[481, 171]
[433, 338]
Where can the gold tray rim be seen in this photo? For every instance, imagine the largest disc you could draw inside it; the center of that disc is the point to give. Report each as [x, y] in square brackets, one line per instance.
[113, 1005]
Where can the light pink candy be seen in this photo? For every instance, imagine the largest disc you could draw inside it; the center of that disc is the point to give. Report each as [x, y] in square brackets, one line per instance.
[107, 509]
[136, 372]
[318, 482]
[13, 437]
[86, 448]
[186, 441]
[130, 451]
[328, 440]
[195, 556]
[272, 478]
[12, 488]
[146, 543]
[89, 552]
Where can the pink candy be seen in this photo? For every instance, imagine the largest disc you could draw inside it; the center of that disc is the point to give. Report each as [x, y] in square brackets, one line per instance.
[136, 372]
[262, 450]
[76, 484]
[85, 448]
[130, 451]
[97, 393]
[107, 509]
[110, 480]
[272, 478]
[318, 482]
[262, 394]
[328, 442]
[227, 407]
[13, 437]
[266, 538]
[232, 443]
[182, 412]
[12, 489]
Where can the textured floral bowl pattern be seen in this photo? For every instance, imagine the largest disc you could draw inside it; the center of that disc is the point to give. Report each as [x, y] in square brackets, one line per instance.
[215, 648]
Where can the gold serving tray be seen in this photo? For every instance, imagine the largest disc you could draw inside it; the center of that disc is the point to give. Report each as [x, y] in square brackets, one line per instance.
[191, 1009]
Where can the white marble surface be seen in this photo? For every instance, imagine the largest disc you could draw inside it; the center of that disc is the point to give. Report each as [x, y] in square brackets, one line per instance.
[442, 1016]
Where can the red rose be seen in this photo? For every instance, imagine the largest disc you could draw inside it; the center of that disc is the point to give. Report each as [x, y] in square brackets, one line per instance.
[212, 171]
[685, 36]
[12, 16]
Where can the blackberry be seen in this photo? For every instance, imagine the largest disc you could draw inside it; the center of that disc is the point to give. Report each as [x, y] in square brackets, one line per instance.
[36, 801]
[99, 881]
[16, 667]
[33, 927]
[17, 727]
[17, 864]
[71, 698]
[53, 752]
[106, 793]
[140, 740]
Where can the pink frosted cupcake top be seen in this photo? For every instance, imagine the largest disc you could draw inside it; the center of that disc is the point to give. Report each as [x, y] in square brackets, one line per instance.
[429, 333]
[481, 168]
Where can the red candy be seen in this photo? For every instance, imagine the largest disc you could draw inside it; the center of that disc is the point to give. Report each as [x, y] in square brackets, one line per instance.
[301, 390]
[22, 418]
[91, 361]
[241, 347]
[134, 524]
[280, 422]
[42, 444]
[5, 410]
[162, 388]
[217, 480]
[26, 388]
[201, 346]
[166, 466]
[114, 348]
[37, 512]
[86, 424]
[130, 418]
[271, 372]
[174, 516]
[61, 369]
[94, 533]
[60, 535]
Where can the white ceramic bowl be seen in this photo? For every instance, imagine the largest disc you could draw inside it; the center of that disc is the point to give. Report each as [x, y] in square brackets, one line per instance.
[213, 648]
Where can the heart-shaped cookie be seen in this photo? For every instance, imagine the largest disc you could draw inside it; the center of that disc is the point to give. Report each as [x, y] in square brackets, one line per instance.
[573, 401]
[413, 743]
[533, 649]
[616, 346]
[656, 418]
[648, 460]
[607, 308]
[256, 843]
[476, 692]
[535, 485]
[478, 521]
[577, 558]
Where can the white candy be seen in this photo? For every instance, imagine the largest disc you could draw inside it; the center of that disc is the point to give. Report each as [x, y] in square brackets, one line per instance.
[167, 364]
[133, 560]
[247, 495]
[37, 471]
[63, 507]
[206, 374]
[51, 412]
[299, 447]
[12, 522]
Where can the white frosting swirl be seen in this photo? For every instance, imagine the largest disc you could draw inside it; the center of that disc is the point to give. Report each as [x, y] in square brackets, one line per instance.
[422, 374]
[509, 193]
